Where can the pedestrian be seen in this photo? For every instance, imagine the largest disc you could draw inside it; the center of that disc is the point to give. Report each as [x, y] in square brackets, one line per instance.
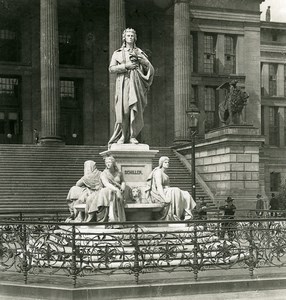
[229, 211]
[274, 205]
[259, 205]
[200, 211]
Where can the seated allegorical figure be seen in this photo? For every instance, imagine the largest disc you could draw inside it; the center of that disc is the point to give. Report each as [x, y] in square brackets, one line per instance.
[110, 201]
[178, 203]
[89, 184]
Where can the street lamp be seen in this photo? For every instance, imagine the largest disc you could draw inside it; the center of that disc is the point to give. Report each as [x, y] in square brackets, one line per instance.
[193, 118]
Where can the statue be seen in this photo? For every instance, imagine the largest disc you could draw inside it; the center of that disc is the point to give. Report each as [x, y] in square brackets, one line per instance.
[111, 198]
[230, 111]
[177, 203]
[136, 195]
[87, 185]
[268, 15]
[134, 78]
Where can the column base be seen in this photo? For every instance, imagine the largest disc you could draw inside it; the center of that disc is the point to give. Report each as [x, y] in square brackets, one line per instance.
[51, 140]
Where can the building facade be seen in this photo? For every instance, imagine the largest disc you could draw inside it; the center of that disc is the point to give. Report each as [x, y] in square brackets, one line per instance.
[54, 77]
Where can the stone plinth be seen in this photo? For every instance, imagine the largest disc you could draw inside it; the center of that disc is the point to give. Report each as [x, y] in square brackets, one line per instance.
[228, 162]
[134, 161]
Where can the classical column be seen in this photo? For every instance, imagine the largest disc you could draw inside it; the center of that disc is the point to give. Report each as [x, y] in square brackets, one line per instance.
[220, 53]
[281, 122]
[116, 27]
[50, 97]
[240, 55]
[265, 79]
[182, 68]
[280, 80]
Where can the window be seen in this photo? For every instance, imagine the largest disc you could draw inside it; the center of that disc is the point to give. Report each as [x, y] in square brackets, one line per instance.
[262, 121]
[194, 95]
[229, 54]
[71, 110]
[69, 53]
[275, 181]
[274, 36]
[284, 124]
[9, 45]
[211, 109]
[68, 93]
[13, 123]
[272, 79]
[284, 80]
[262, 80]
[273, 126]
[209, 53]
[9, 88]
[67, 89]
[194, 52]
[2, 122]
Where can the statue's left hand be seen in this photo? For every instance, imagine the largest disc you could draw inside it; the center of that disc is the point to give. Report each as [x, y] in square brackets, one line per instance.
[143, 60]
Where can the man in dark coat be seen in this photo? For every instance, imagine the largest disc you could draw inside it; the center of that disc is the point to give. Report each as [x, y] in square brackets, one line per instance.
[274, 205]
[229, 211]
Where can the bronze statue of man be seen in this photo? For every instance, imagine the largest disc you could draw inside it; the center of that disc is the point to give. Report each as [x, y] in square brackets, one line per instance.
[134, 77]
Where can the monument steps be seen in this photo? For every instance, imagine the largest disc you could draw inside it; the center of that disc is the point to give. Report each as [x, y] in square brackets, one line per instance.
[40, 176]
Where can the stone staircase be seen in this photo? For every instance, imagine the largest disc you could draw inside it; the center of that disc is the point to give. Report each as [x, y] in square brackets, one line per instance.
[36, 177]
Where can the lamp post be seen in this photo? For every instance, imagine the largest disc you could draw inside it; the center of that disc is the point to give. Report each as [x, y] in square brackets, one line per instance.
[193, 118]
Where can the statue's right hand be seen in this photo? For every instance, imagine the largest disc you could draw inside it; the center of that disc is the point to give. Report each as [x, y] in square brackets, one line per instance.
[118, 193]
[130, 65]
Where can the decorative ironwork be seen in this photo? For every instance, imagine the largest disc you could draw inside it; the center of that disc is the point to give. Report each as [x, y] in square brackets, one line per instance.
[72, 250]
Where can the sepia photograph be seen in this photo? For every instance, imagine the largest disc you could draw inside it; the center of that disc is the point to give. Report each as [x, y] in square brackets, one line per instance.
[142, 149]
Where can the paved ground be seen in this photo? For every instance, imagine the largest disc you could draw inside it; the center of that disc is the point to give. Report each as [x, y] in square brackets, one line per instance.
[210, 286]
[261, 295]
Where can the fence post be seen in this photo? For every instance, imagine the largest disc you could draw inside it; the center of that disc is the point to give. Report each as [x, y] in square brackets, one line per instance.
[136, 254]
[251, 250]
[195, 251]
[73, 265]
[25, 263]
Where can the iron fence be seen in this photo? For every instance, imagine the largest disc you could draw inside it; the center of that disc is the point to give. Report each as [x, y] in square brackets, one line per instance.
[76, 250]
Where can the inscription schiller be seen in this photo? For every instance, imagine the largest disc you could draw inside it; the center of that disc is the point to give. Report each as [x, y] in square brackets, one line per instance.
[133, 172]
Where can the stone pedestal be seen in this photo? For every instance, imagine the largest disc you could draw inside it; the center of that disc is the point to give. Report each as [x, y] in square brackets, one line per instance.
[228, 162]
[134, 161]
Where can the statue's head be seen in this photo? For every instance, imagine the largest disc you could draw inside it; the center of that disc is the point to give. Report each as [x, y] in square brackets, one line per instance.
[89, 167]
[136, 194]
[128, 30]
[110, 162]
[162, 160]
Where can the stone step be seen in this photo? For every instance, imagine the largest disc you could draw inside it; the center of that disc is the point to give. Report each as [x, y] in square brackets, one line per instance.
[32, 174]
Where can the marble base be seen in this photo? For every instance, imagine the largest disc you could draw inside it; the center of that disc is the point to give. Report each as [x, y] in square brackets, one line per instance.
[134, 161]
